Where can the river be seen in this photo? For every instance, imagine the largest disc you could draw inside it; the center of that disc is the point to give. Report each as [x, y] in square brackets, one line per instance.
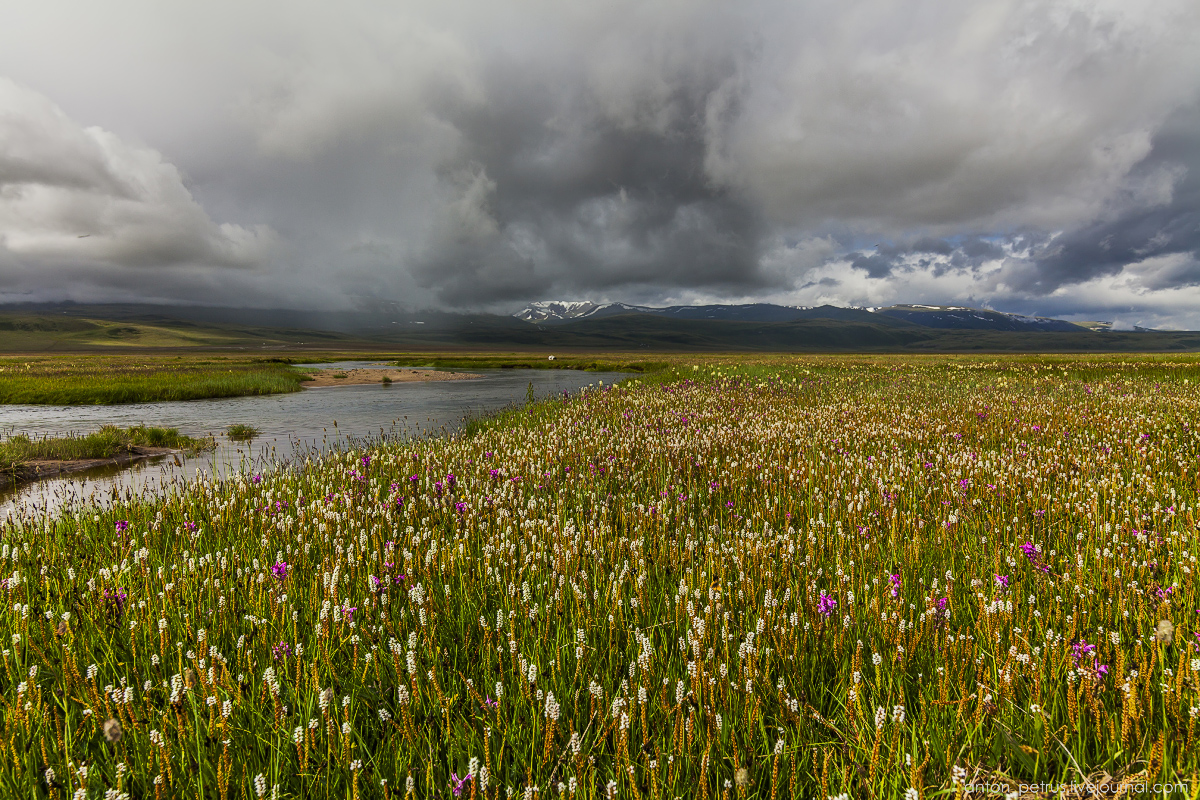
[290, 425]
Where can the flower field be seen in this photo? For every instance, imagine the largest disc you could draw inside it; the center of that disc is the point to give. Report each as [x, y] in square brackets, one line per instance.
[875, 578]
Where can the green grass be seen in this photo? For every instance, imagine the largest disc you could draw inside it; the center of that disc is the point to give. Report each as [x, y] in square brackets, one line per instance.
[105, 380]
[107, 442]
[242, 433]
[860, 575]
[106, 328]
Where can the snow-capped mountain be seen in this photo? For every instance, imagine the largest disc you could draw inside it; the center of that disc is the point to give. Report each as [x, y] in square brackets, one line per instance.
[564, 310]
[965, 318]
[926, 316]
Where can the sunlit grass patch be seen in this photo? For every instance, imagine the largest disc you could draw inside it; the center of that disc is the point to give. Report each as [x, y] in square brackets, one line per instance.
[104, 380]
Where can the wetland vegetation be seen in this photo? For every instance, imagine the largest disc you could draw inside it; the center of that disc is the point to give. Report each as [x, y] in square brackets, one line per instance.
[773, 577]
[112, 379]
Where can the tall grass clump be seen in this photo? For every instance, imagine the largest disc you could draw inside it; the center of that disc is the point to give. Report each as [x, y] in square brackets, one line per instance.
[780, 579]
[242, 433]
[107, 442]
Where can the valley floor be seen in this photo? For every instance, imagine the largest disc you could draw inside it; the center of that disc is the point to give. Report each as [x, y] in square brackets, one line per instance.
[789, 577]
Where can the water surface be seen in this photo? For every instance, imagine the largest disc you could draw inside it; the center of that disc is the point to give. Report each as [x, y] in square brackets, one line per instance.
[291, 425]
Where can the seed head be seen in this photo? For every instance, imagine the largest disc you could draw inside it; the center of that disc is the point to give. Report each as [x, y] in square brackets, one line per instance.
[1165, 632]
[112, 730]
[742, 776]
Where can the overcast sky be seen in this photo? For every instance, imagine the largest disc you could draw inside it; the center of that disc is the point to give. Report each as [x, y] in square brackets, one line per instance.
[1036, 156]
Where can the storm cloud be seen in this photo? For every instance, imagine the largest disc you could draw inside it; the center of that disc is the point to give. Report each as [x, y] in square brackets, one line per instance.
[479, 155]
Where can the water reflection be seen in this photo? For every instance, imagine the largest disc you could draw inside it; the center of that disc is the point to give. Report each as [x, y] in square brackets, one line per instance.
[292, 426]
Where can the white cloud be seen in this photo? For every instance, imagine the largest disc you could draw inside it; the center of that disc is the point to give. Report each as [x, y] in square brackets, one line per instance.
[71, 194]
[345, 76]
[951, 115]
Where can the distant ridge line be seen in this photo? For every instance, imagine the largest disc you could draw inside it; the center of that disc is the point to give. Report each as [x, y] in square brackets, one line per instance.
[552, 312]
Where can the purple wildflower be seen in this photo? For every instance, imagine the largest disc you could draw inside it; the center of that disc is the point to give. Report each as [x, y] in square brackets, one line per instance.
[116, 598]
[826, 604]
[895, 581]
[456, 783]
[1081, 650]
[280, 570]
[1002, 581]
[1034, 554]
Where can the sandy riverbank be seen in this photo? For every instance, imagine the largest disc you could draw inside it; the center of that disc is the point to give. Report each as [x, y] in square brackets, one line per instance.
[359, 377]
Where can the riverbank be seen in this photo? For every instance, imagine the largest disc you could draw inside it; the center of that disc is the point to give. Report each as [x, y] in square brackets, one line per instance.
[364, 376]
[147, 377]
[23, 459]
[45, 470]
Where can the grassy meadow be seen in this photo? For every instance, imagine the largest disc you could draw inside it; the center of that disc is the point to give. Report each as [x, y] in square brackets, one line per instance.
[110, 379]
[609, 362]
[145, 377]
[773, 578]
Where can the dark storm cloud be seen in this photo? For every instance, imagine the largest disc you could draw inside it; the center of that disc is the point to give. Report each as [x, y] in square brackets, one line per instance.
[472, 154]
[590, 205]
[964, 253]
[1164, 224]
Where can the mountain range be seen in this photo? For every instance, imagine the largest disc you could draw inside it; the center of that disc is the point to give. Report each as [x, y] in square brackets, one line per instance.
[566, 327]
[927, 316]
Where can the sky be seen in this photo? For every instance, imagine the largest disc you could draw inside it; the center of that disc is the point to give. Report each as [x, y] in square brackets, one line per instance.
[1034, 156]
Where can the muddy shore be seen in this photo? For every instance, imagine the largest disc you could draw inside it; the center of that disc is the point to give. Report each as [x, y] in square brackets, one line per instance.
[360, 377]
[43, 469]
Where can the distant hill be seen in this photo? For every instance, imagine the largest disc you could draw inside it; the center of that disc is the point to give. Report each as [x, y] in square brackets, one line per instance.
[975, 319]
[75, 328]
[947, 317]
